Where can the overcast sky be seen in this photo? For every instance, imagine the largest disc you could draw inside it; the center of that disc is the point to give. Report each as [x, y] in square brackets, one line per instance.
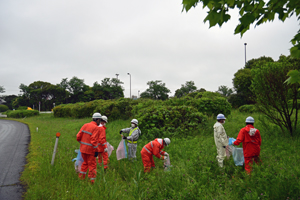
[152, 40]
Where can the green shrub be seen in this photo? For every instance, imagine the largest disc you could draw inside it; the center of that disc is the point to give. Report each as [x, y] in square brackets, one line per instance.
[162, 121]
[3, 108]
[22, 113]
[22, 108]
[247, 108]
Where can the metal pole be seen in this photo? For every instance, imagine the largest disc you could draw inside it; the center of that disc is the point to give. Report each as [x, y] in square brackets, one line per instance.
[117, 75]
[55, 147]
[130, 84]
[245, 53]
[138, 94]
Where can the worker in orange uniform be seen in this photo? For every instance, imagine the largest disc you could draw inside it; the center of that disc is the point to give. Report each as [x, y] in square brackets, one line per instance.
[154, 148]
[102, 144]
[251, 139]
[88, 137]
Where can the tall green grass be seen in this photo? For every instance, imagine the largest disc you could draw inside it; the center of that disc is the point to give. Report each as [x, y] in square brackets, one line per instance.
[194, 175]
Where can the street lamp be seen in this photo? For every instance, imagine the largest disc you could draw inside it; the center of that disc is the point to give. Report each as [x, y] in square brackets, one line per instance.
[130, 83]
[245, 53]
[138, 94]
[117, 75]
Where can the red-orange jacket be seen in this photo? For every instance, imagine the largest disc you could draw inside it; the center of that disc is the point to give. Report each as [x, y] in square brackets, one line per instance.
[155, 147]
[102, 144]
[251, 144]
[88, 138]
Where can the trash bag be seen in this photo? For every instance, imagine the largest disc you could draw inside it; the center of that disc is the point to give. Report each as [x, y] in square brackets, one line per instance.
[110, 149]
[167, 164]
[238, 156]
[121, 150]
[79, 161]
[228, 151]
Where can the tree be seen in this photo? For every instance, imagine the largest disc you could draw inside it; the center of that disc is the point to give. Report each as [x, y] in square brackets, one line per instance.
[2, 90]
[9, 100]
[109, 89]
[157, 90]
[76, 88]
[186, 89]
[242, 81]
[40, 92]
[278, 101]
[251, 12]
[224, 90]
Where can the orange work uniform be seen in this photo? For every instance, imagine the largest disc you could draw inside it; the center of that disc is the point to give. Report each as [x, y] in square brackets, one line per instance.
[102, 144]
[251, 139]
[88, 137]
[152, 148]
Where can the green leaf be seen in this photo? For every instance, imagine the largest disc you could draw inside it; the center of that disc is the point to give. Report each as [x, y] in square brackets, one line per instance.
[295, 52]
[294, 77]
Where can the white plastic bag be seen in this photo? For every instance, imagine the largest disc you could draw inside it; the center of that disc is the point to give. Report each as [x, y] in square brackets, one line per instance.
[121, 150]
[110, 149]
[167, 164]
[238, 156]
[79, 161]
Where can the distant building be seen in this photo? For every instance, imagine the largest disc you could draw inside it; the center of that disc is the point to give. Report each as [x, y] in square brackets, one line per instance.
[134, 97]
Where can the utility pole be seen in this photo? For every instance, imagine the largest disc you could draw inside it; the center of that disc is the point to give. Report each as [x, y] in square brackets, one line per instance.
[130, 83]
[245, 53]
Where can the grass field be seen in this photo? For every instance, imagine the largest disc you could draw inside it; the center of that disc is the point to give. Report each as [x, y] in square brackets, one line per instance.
[194, 175]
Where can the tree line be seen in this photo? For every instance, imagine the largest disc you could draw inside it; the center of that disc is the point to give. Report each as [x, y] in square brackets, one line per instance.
[261, 82]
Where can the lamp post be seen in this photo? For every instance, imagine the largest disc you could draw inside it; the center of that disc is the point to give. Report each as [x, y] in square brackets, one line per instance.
[245, 53]
[117, 75]
[130, 83]
[138, 93]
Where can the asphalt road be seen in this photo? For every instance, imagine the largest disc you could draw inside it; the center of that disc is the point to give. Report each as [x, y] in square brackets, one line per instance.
[14, 140]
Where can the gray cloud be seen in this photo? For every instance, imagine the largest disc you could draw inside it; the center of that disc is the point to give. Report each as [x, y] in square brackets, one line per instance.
[152, 40]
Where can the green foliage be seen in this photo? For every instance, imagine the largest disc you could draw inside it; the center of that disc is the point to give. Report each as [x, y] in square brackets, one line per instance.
[273, 96]
[117, 109]
[225, 91]
[194, 175]
[251, 12]
[185, 89]
[163, 121]
[22, 108]
[157, 90]
[247, 109]
[3, 108]
[2, 89]
[22, 113]
[9, 100]
[237, 100]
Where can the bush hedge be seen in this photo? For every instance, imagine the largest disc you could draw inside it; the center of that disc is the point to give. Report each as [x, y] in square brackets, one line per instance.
[159, 120]
[3, 108]
[247, 108]
[173, 116]
[22, 113]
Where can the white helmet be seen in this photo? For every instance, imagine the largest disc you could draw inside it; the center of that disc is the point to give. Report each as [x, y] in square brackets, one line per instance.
[220, 116]
[96, 115]
[167, 141]
[135, 121]
[250, 120]
[104, 118]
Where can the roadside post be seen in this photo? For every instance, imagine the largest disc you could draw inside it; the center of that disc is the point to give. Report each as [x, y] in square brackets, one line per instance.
[55, 147]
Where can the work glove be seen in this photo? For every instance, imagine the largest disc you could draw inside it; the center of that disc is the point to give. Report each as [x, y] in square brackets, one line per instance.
[231, 141]
[106, 150]
[121, 132]
[96, 154]
[125, 138]
[163, 157]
